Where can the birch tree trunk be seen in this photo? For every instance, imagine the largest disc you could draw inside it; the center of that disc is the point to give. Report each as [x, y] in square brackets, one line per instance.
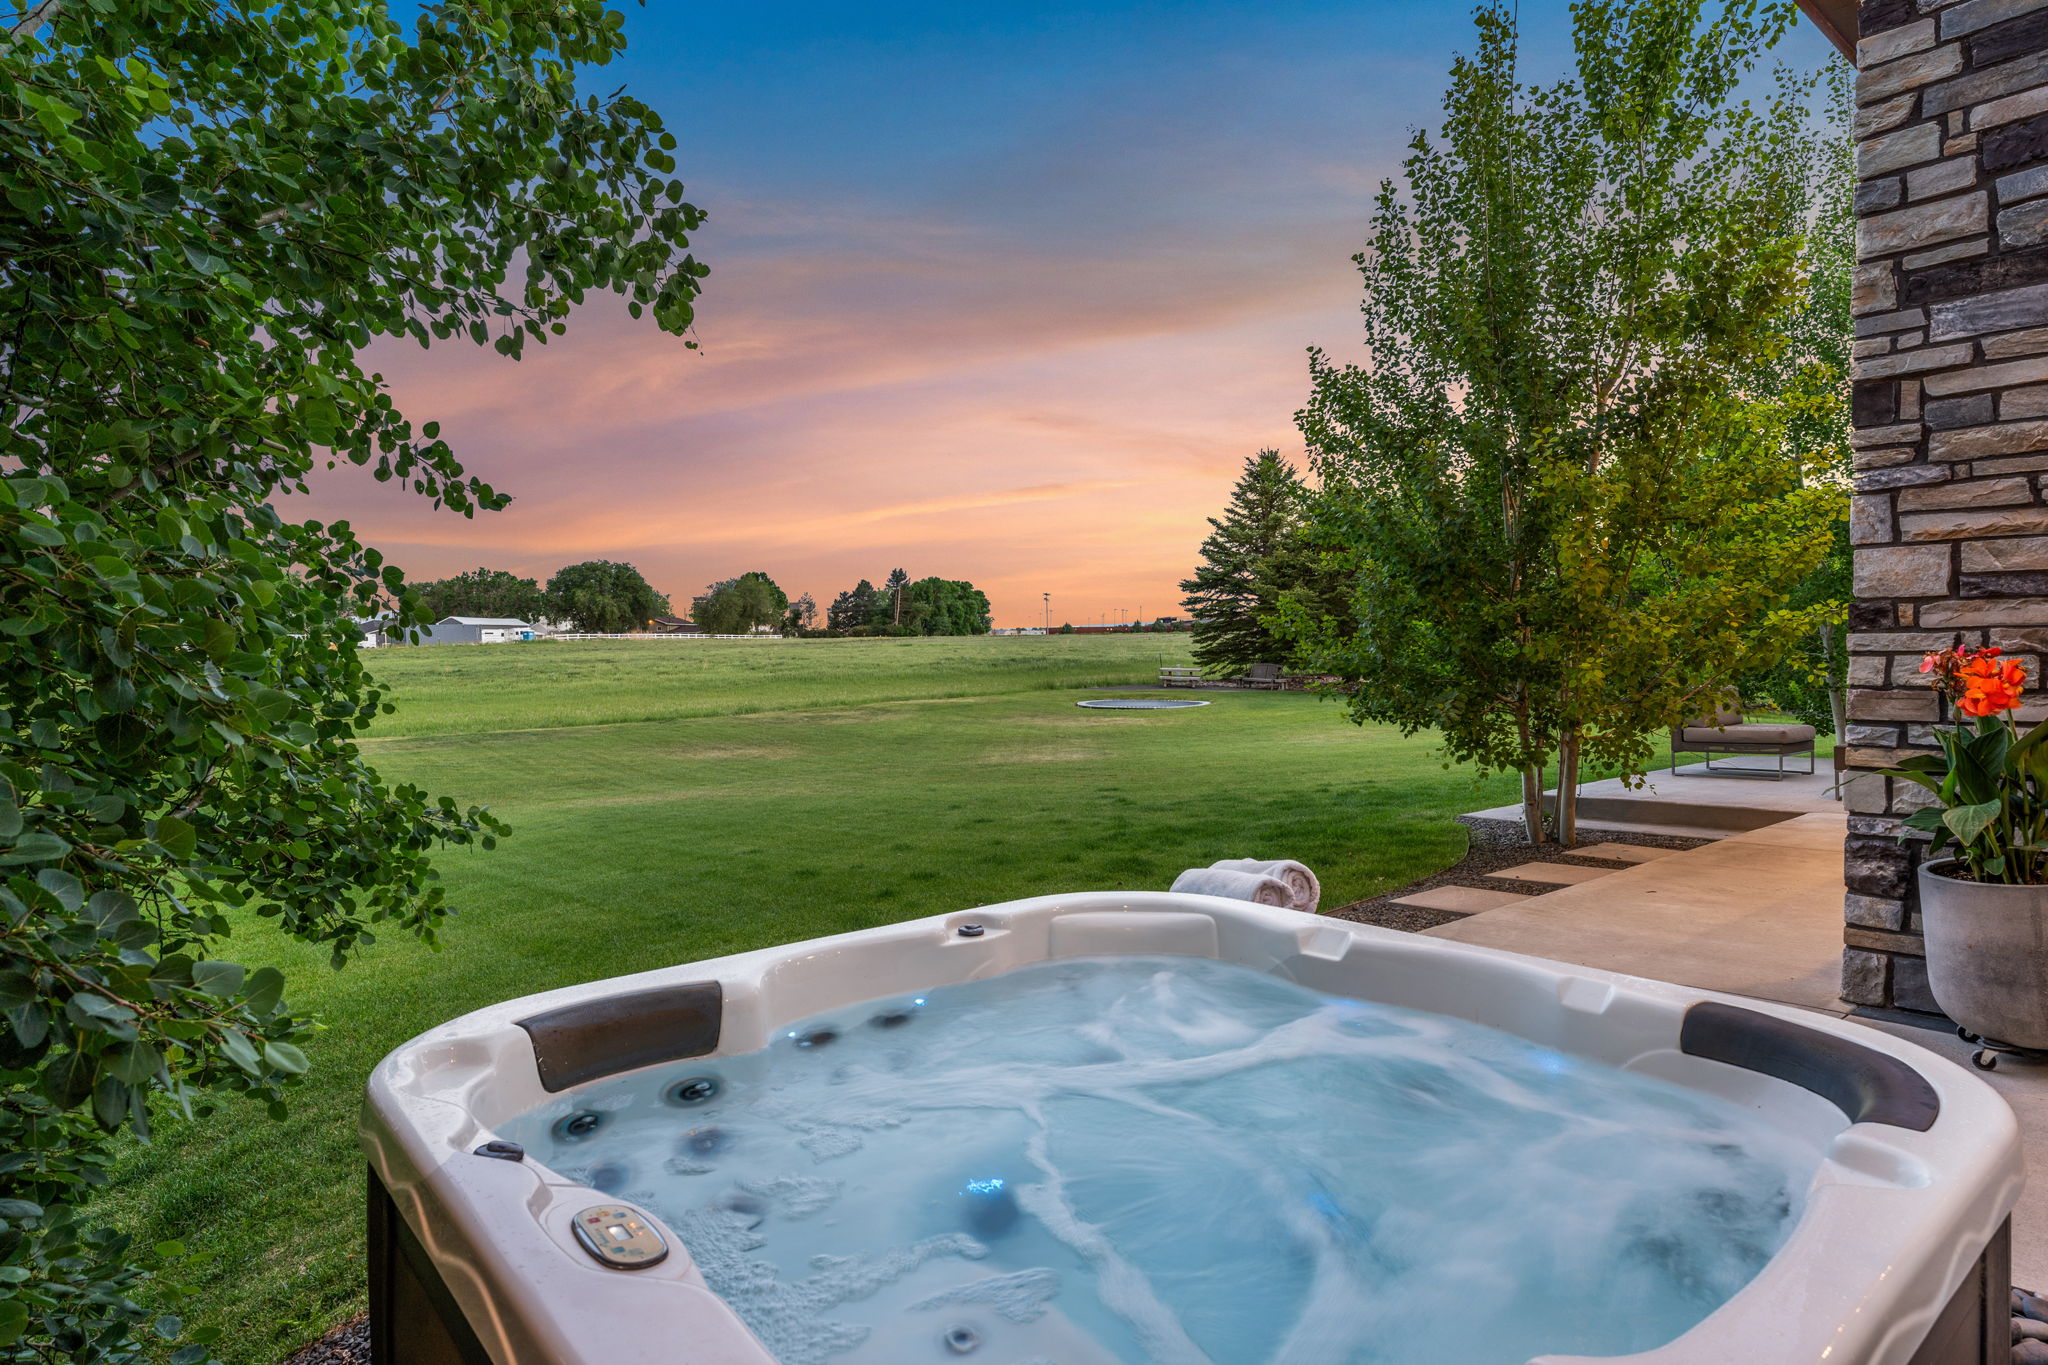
[1835, 684]
[1532, 803]
[1567, 824]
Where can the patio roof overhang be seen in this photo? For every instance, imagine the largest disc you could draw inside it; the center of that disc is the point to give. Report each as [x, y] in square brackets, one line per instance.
[1837, 19]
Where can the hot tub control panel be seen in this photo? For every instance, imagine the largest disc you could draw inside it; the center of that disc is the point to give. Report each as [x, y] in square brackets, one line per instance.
[620, 1237]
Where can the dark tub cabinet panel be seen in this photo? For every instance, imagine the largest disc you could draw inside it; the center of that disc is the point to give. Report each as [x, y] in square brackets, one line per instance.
[1976, 1326]
[414, 1320]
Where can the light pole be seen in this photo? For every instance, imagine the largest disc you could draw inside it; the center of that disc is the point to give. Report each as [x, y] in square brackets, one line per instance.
[1048, 613]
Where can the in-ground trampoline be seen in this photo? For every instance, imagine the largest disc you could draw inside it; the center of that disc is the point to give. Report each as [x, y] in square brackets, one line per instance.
[1140, 703]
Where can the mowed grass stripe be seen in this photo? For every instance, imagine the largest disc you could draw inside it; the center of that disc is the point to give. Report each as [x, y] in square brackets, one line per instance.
[478, 689]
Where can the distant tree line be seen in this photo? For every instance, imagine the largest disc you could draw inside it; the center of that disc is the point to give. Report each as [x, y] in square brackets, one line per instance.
[1162, 625]
[606, 598]
[597, 596]
[928, 606]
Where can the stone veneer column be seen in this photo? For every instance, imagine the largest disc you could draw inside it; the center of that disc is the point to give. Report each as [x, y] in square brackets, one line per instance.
[1949, 519]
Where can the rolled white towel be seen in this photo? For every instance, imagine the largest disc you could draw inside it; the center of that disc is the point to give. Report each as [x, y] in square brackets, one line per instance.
[1238, 886]
[1301, 882]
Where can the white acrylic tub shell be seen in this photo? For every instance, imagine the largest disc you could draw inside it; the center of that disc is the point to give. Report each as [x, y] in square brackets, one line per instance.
[1894, 1219]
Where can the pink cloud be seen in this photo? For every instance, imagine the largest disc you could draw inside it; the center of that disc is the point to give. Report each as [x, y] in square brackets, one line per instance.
[872, 394]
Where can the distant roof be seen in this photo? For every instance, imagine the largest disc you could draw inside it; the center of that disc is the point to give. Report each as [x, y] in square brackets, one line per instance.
[482, 621]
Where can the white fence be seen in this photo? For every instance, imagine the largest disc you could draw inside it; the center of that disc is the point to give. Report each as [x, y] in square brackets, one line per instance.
[653, 635]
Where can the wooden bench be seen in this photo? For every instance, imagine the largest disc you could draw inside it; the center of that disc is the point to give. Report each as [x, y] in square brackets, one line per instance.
[1265, 676]
[1179, 677]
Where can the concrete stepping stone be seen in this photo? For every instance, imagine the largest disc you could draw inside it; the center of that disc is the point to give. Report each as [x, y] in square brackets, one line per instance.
[1554, 874]
[1624, 853]
[1459, 900]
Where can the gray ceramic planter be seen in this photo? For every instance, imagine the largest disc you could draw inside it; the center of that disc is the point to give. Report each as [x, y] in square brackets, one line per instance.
[1987, 955]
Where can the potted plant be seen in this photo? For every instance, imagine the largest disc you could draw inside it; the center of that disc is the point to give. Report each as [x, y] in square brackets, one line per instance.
[1984, 886]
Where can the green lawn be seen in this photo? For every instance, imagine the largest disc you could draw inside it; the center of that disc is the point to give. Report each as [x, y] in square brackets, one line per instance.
[792, 814]
[472, 689]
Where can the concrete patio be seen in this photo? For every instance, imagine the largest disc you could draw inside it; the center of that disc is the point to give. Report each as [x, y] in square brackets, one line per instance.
[1757, 913]
[1693, 803]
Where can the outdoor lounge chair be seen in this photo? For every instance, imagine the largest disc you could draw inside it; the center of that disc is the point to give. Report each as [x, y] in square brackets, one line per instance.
[1727, 732]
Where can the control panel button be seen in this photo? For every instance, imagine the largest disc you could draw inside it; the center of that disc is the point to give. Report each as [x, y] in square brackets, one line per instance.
[620, 1237]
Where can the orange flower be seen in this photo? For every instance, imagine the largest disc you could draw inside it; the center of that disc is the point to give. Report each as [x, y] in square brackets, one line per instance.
[1986, 686]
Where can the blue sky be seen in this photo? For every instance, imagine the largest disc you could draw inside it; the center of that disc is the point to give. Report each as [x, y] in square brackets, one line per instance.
[998, 292]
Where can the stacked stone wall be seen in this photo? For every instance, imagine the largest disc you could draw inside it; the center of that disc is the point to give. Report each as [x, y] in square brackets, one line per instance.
[1950, 512]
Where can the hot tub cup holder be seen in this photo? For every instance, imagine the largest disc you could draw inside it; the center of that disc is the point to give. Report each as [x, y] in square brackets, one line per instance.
[1989, 1050]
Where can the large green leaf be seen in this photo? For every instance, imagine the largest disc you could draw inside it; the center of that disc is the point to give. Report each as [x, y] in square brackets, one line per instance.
[1967, 822]
[1927, 818]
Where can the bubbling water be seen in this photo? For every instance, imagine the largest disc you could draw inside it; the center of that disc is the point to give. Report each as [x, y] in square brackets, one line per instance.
[1172, 1161]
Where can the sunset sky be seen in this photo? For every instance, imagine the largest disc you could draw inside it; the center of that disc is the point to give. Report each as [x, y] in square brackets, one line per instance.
[998, 292]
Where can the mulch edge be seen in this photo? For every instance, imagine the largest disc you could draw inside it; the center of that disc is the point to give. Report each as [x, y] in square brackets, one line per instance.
[1495, 844]
[347, 1344]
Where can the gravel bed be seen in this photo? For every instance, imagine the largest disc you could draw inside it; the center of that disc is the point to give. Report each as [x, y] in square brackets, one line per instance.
[348, 1344]
[1495, 845]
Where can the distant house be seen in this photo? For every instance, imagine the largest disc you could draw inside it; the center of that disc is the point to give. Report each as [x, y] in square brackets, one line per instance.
[475, 630]
[374, 631]
[674, 625]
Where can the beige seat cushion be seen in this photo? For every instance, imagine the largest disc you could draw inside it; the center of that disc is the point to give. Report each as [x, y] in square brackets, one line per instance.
[1748, 734]
[1727, 711]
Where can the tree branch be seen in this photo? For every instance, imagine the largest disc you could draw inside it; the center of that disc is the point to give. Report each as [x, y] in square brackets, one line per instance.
[34, 18]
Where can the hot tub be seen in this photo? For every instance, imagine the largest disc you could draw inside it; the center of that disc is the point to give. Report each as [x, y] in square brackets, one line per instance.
[562, 1179]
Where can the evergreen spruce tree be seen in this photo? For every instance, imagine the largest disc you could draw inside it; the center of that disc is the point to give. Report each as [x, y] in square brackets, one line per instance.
[1236, 587]
[854, 607]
